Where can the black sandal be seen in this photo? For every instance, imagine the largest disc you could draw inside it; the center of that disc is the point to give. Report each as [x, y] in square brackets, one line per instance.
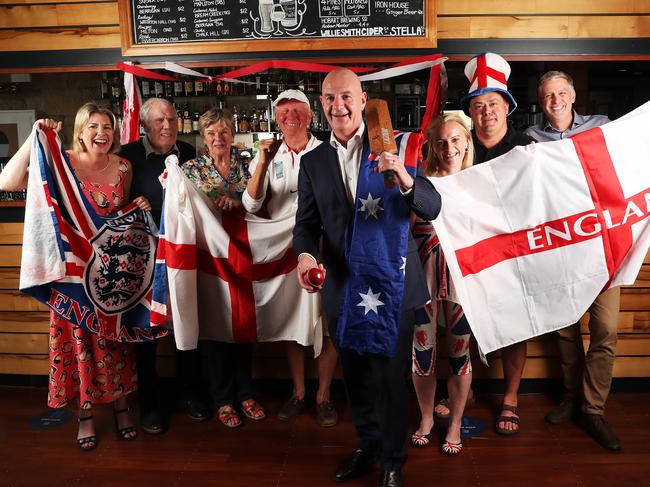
[87, 443]
[124, 433]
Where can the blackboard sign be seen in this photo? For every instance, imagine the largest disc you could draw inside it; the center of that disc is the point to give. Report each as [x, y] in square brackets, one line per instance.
[264, 23]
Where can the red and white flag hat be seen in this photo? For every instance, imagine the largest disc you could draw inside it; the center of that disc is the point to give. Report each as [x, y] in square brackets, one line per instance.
[487, 72]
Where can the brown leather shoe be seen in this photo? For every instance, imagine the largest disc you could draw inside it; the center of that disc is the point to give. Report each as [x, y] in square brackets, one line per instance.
[600, 430]
[292, 408]
[326, 415]
[563, 412]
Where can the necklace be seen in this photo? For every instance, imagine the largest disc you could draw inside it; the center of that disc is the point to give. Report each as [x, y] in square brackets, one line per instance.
[108, 163]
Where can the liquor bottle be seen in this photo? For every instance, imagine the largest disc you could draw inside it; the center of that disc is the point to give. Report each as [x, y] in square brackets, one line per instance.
[169, 89]
[199, 85]
[235, 118]
[146, 88]
[178, 87]
[104, 86]
[264, 121]
[195, 123]
[219, 87]
[158, 89]
[189, 87]
[116, 88]
[227, 89]
[315, 117]
[255, 122]
[244, 122]
[180, 122]
[187, 121]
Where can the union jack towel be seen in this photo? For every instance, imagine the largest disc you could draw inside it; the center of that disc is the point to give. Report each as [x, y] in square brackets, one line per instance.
[231, 275]
[94, 271]
[531, 238]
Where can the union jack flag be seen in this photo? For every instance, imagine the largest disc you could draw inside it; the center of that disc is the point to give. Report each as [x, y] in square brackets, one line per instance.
[94, 271]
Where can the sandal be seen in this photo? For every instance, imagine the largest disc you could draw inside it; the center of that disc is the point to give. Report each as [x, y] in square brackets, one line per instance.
[449, 448]
[228, 416]
[444, 403]
[87, 443]
[419, 440]
[127, 433]
[253, 410]
[507, 419]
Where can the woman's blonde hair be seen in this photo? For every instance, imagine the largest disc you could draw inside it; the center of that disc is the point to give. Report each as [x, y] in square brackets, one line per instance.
[431, 162]
[81, 121]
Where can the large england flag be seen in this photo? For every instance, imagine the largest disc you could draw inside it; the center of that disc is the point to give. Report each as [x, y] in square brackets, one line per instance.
[532, 237]
[231, 275]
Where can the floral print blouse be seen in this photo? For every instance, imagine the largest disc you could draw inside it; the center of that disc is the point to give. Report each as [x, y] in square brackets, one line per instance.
[204, 175]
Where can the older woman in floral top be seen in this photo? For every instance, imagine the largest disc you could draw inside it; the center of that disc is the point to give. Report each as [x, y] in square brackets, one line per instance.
[221, 175]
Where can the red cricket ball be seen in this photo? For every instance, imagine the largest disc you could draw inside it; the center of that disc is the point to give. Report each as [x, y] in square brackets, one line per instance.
[315, 277]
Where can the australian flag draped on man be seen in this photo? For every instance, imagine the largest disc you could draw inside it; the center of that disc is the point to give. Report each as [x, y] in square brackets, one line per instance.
[376, 256]
[95, 272]
[532, 237]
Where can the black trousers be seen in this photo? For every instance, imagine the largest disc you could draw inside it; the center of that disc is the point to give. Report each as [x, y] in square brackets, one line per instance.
[229, 369]
[378, 395]
[188, 370]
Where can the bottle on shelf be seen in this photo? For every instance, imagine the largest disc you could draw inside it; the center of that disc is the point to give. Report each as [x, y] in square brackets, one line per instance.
[255, 122]
[158, 89]
[180, 121]
[169, 89]
[244, 122]
[195, 123]
[189, 86]
[227, 88]
[187, 121]
[235, 118]
[116, 88]
[178, 87]
[315, 117]
[199, 85]
[104, 86]
[264, 121]
[146, 88]
[219, 87]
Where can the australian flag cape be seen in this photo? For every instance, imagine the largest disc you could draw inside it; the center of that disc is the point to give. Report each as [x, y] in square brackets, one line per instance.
[94, 271]
[376, 256]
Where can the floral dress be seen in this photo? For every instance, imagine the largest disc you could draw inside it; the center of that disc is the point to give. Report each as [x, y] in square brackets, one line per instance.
[82, 364]
[204, 175]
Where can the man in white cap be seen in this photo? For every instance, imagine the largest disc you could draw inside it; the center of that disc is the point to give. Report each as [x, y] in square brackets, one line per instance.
[274, 188]
[587, 380]
[489, 103]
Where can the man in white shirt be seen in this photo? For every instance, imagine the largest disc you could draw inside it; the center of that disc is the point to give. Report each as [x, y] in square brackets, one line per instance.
[329, 213]
[273, 190]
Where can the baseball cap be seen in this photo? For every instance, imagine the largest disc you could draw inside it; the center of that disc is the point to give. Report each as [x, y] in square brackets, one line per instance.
[291, 95]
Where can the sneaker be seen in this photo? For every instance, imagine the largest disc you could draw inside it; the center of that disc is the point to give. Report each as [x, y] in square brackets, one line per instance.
[292, 408]
[563, 412]
[326, 415]
[600, 430]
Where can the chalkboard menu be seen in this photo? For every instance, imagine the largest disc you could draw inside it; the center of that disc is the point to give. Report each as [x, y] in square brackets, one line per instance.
[155, 22]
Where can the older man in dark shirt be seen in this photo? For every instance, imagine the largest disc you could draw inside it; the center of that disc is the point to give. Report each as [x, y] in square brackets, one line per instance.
[147, 157]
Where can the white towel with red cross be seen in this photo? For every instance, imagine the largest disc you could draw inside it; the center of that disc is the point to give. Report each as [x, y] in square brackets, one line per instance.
[231, 275]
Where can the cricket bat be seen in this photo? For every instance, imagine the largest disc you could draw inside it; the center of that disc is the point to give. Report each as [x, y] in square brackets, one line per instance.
[380, 133]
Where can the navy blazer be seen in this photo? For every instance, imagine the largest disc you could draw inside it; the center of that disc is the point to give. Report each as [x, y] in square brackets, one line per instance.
[324, 214]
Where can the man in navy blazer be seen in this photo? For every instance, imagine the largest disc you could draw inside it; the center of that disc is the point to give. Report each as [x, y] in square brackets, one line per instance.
[327, 184]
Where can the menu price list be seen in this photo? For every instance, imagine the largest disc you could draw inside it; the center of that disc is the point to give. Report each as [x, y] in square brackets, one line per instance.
[167, 21]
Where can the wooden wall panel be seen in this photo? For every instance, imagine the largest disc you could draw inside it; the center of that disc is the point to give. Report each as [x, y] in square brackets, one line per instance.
[10, 255]
[512, 7]
[58, 15]
[543, 27]
[50, 39]
[11, 233]
[9, 277]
